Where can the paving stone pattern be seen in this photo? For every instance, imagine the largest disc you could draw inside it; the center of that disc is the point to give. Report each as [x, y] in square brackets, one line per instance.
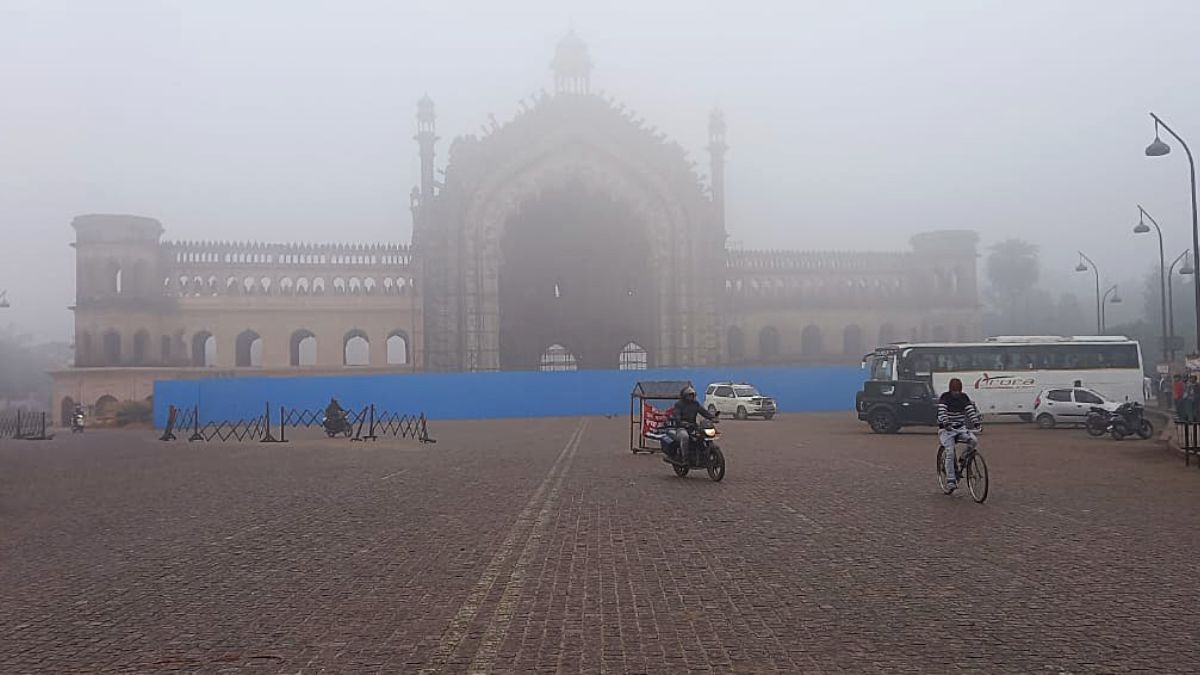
[545, 546]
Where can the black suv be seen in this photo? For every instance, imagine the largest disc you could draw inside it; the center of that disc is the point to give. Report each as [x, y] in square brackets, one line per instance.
[888, 406]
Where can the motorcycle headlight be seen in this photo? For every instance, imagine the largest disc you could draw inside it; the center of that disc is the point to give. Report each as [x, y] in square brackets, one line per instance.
[711, 433]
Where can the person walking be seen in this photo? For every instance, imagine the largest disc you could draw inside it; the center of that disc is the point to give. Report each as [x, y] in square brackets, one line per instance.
[1178, 386]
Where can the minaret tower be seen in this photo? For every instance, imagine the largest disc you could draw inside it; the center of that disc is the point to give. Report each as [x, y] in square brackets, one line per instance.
[426, 137]
[716, 151]
[572, 65]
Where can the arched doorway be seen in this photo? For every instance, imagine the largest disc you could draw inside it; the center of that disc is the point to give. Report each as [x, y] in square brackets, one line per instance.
[769, 343]
[852, 341]
[249, 346]
[810, 342]
[66, 410]
[356, 348]
[106, 406]
[735, 344]
[302, 350]
[112, 348]
[574, 268]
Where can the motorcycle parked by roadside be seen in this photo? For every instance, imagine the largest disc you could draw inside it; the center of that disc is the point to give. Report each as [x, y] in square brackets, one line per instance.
[1127, 419]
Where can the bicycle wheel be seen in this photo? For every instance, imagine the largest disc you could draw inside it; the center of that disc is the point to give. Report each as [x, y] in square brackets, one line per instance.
[977, 478]
[941, 470]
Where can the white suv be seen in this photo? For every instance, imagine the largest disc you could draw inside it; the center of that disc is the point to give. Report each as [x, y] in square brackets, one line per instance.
[738, 399]
[1067, 405]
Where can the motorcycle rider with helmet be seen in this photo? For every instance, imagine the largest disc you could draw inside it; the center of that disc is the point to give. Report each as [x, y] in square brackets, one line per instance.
[683, 418]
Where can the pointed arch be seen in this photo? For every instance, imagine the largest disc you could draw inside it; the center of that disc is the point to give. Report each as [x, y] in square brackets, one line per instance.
[248, 349]
[633, 357]
[557, 358]
[302, 349]
[356, 348]
[397, 348]
[204, 349]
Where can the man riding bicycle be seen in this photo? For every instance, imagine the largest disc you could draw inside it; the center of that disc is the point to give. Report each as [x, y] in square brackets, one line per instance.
[955, 411]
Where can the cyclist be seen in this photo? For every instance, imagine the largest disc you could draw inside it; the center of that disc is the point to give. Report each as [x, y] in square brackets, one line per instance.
[955, 411]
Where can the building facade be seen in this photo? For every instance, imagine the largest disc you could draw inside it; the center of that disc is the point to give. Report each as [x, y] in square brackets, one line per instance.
[573, 236]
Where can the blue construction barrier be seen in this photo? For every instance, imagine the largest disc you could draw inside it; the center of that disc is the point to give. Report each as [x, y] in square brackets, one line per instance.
[446, 396]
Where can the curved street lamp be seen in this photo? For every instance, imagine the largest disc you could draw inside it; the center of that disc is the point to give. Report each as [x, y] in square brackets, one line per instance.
[1081, 267]
[1115, 299]
[4, 300]
[1158, 148]
[1142, 228]
[1185, 269]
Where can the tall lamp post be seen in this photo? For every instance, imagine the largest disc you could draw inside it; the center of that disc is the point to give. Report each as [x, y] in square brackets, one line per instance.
[1157, 149]
[1116, 298]
[1186, 269]
[4, 300]
[1142, 228]
[1081, 267]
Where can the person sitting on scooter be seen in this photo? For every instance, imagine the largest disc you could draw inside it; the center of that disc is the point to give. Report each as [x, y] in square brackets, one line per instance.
[683, 415]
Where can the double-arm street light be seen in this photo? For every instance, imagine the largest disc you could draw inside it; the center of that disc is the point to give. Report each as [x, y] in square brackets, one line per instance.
[1157, 149]
[1116, 298]
[1142, 228]
[1081, 267]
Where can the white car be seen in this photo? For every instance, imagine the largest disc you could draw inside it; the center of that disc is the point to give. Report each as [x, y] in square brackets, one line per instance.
[738, 399]
[1067, 405]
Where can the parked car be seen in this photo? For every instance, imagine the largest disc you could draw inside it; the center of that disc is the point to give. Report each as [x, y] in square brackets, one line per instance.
[888, 406]
[738, 399]
[1067, 405]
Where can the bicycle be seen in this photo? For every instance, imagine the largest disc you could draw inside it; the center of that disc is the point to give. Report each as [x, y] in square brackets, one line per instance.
[970, 467]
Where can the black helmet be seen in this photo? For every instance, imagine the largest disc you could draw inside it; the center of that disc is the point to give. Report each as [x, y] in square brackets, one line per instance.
[687, 392]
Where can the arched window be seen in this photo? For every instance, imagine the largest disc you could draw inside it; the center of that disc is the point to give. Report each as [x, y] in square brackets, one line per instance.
[356, 348]
[302, 286]
[355, 285]
[249, 347]
[852, 341]
[318, 286]
[141, 347]
[83, 349]
[397, 349]
[810, 341]
[66, 410]
[736, 344]
[633, 357]
[369, 285]
[768, 342]
[204, 349]
[339, 285]
[112, 348]
[558, 358]
[303, 349]
[887, 334]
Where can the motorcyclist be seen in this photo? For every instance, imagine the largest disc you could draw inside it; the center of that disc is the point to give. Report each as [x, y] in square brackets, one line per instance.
[957, 418]
[683, 418]
[77, 416]
[334, 413]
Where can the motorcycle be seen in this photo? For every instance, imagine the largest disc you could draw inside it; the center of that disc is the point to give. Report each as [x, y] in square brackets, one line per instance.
[1128, 419]
[337, 425]
[77, 423]
[1097, 421]
[703, 451]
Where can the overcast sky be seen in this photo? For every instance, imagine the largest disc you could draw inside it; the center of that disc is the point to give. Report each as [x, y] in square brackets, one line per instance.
[852, 125]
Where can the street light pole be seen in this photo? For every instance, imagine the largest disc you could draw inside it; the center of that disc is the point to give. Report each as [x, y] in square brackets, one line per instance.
[1083, 268]
[1157, 149]
[1187, 269]
[1162, 271]
[1116, 297]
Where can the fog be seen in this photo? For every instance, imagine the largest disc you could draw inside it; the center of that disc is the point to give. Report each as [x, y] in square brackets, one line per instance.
[852, 125]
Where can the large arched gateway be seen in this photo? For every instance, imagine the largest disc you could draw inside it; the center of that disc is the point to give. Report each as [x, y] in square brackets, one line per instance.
[572, 224]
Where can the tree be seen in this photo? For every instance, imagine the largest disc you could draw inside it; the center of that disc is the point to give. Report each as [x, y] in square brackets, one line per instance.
[1012, 272]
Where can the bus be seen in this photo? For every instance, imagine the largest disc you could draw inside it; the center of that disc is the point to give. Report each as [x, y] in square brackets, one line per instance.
[1003, 375]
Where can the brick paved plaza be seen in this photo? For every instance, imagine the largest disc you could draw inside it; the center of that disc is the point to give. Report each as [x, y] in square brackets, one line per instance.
[546, 546]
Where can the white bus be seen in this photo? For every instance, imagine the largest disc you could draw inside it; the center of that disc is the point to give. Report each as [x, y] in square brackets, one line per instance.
[1003, 375]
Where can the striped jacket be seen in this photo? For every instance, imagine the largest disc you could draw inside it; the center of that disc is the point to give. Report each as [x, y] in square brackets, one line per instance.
[957, 410]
